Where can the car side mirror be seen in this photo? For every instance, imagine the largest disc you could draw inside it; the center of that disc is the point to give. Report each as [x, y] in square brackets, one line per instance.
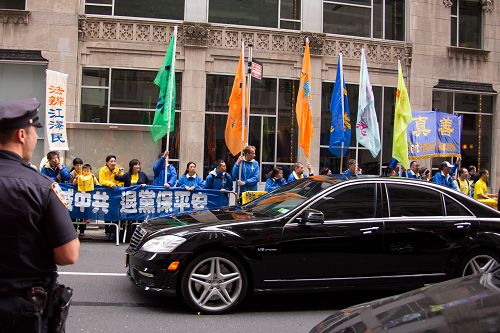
[311, 216]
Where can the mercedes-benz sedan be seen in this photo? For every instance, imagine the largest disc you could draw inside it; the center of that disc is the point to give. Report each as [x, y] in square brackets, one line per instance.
[320, 233]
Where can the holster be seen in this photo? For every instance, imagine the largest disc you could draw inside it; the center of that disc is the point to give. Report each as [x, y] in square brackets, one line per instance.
[59, 308]
[58, 302]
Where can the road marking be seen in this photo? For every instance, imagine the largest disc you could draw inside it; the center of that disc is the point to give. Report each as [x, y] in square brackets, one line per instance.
[92, 274]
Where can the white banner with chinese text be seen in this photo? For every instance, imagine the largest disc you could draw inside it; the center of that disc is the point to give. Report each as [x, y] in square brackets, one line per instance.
[55, 106]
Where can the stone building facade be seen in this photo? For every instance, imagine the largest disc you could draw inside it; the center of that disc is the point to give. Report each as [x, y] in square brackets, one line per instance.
[112, 57]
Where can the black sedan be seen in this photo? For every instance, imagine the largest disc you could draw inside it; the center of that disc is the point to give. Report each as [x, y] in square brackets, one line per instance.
[319, 233]
[467, 304]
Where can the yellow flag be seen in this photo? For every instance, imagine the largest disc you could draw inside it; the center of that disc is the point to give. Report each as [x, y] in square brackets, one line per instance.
[303, 108]
[236, 121]
[402, 118]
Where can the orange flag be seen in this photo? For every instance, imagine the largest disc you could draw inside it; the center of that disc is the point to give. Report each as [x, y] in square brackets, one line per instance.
[237, 117]
[303, 108]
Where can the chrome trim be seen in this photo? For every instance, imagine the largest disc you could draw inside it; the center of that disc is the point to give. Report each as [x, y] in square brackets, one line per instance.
[148, 275]
[357, 278]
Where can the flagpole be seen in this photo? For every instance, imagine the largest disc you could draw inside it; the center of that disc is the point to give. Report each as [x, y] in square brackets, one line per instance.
[170, 100]
[341, 156]
[243, 115]
[249, 83]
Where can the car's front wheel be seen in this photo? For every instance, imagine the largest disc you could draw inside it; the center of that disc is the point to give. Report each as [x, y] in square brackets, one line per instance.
[478, 262]
[214, 283]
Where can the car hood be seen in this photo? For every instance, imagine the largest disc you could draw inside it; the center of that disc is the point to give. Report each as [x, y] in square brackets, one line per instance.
[469, 304]
[204, 218]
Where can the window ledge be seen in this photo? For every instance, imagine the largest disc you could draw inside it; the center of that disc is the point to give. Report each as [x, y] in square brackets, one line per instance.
[14, 16]
[467, 53]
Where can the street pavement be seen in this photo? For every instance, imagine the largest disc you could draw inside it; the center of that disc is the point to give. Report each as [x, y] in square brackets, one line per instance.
[105, 300]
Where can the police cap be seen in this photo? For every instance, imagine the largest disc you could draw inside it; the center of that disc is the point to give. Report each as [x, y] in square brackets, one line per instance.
[19, 114]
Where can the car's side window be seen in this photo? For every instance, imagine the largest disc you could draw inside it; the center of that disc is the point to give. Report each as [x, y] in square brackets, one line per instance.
[351, 202]
[407, 200]
[453, 208]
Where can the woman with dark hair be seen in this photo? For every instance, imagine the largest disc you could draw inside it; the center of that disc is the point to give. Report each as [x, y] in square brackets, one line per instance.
[134, 176]
[109, 171]
[190, 180]
[76, 170]
[275, 179]
[326, 172]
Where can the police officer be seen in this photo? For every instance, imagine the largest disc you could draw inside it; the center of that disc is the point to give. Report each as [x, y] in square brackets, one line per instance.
[36, 230]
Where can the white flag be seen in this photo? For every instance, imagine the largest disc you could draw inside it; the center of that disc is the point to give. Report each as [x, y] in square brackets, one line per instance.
[367, 131]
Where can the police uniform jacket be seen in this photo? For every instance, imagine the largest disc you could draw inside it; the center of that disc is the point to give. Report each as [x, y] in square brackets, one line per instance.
[33, 221]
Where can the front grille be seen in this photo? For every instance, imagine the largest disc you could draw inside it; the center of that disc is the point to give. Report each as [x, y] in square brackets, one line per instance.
[137, 237]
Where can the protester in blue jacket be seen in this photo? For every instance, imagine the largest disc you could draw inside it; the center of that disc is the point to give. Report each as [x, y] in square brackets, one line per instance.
[275, 179]
[250, 170]
[352, 168]
[159, 172]
[442, 177]
[190, 180]
[298, 172]
[219, 179]
[54, 169]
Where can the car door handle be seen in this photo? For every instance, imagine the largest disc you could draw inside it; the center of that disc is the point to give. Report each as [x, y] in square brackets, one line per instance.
[367, 231]
[462, 225]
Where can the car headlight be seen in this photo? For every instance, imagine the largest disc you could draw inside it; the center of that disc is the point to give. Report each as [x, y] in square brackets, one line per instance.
[163, 244]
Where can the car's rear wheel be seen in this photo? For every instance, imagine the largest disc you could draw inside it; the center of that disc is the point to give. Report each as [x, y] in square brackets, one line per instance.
[214, 283]
[478, 262]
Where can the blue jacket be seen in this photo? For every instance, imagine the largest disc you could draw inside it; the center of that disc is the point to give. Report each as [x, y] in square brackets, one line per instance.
[274, 183]
[217, 180]
[52, 174]
[190, 181]
[291, 177]
[127, 179]
[159, 173]
[348, 172]
[249, 174]
[447, 181]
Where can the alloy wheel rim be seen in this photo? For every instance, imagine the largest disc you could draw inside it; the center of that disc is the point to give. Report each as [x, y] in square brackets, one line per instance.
[479, 264]
[215, 284]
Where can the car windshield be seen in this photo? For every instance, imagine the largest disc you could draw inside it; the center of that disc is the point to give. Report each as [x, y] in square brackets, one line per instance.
[286, 198]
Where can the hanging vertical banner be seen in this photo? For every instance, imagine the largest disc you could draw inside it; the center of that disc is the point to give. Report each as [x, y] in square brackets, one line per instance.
[434, 134]
[55, 117]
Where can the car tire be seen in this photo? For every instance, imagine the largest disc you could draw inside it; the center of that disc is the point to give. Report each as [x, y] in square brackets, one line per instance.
[214, 283]
[478, 262]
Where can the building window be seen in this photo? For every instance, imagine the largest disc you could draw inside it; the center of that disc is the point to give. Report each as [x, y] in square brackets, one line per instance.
[365, 18]
[125, 96]
[272, 125]
[384, 100]
[13, 4]
[160, 9]
[284, 14]
[477, 114]
[466, 23]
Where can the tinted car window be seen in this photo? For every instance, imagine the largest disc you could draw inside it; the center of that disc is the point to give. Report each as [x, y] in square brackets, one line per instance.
[407, 200]
[351, 202]
[288, 197]
[453, 208]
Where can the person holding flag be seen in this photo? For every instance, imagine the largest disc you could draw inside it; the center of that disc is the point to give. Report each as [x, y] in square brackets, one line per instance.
[303, 108]
[340, 131]
[367, 131]
[164, 119]
[236, 132]
[402, 118]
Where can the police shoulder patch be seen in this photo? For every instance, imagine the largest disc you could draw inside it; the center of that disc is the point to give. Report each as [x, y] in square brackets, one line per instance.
[59, 193]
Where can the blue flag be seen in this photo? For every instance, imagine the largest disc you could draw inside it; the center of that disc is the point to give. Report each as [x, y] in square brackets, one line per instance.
[340, 131]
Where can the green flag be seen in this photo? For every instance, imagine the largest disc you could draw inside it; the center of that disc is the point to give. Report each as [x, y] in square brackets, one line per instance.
[165, 106]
